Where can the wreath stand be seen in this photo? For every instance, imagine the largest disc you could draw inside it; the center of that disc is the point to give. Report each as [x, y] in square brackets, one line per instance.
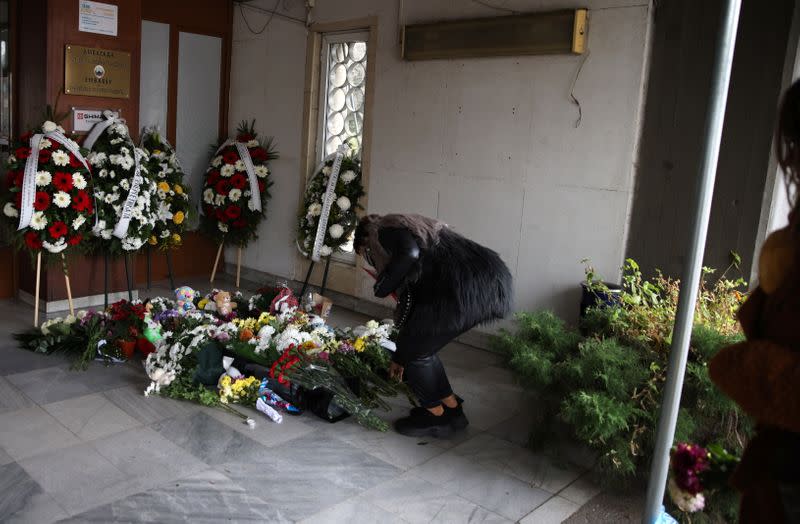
[238, 264]
[169, 268]
[128, 279]
[324, 278]
[38, 287]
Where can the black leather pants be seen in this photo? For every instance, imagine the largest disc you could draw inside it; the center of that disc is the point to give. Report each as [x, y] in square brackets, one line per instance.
[424, 372]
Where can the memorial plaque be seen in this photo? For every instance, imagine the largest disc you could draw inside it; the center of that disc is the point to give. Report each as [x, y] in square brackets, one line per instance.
[90, 71]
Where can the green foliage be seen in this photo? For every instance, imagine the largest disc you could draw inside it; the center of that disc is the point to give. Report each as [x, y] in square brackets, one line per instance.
[605, 382]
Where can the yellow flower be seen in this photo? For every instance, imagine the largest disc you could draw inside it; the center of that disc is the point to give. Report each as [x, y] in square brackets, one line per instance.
[176, 238]
[178, 189]
[359, 344]
[202, 304]
[264, 319]
[152, 240]
[156, 151]
[178, 217]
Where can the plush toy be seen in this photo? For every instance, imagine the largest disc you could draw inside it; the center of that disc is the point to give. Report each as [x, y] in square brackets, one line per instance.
[224, 305]
[184, 296]
[284, 300]
[762, 375]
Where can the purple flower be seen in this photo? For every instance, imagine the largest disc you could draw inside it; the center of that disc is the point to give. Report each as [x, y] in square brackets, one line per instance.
[688, 461]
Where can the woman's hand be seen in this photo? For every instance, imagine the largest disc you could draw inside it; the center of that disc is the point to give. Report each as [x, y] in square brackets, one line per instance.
[396, 372]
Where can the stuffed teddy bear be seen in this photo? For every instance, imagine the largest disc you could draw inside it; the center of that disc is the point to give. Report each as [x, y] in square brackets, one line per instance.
[762, 375]
[184, 297]
[224, 304]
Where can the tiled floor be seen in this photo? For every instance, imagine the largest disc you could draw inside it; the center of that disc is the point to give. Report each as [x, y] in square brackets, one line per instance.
[88, 447]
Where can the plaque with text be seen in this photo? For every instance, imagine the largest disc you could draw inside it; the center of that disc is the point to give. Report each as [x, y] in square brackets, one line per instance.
[90, 71]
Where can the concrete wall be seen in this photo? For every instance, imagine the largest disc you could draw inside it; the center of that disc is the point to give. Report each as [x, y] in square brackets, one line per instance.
[488, 145]
[684, 39]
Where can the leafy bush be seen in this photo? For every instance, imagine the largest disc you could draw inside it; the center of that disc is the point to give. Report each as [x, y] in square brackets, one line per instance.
[606, 383]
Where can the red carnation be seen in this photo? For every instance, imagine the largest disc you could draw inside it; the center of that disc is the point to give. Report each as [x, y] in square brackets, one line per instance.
[63, 181]
[22, 153]
[220, 214]
[18, 200]
[212, 178]
[81, 202]
[14, 178]
[42, 201]
[239, 223]
[233, 212]
[32, 240]
[258, 153]
[223, 186]
[44, 156]
[230, 157]
[75, 240]
[74, 162]
[238, 181]
[57, 230]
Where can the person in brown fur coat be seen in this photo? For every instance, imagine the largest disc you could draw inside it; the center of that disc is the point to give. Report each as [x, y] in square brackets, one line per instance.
[762, 374]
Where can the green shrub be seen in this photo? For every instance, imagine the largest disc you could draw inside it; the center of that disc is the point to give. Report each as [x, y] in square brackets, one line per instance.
[606, 383]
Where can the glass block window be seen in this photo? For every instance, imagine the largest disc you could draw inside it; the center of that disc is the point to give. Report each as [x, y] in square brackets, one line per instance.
[343, 89]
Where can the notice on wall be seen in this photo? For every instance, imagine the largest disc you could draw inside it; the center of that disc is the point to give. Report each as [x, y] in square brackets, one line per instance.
[84, 119]
[91, 71]
[96, 17]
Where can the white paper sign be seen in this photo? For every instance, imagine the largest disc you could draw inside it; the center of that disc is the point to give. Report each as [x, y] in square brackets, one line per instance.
[96, 17]
[84, 119]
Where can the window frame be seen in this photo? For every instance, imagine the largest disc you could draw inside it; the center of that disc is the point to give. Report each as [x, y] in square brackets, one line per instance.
[326, 39]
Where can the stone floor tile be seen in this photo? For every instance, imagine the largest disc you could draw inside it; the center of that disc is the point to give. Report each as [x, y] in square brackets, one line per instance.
[12, 399]
[266, 432]
[354, 511]
[554, 511]
[581, 491]
[14, 359]
[23, 500]
[55, 384]
[30, 431]
[148, 409]
[91, 416]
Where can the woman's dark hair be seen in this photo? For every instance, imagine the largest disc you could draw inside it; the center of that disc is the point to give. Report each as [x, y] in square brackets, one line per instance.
[788, 142]
[360, 237]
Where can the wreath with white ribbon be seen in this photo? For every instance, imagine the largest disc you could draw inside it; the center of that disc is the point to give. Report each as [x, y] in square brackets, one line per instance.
[124, 189]
[330, 205]
[49, 198]
[174, 207]
[236, 188]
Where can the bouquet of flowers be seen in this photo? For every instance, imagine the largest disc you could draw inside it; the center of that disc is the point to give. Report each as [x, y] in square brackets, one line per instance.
[172, 193]
[126, 193]
[695, 471]
[53, 201]
[236, 188]
[344, 199]
[127, 328]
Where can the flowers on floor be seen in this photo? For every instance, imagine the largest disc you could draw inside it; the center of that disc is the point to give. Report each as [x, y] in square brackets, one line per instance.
[58, 211]
[236, 188]
[344, 204]
[173, 208]
[696, 473]
[124, 190]
[272, 360]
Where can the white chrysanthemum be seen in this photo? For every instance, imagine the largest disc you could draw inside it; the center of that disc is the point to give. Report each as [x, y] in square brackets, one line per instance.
[348, 176]
[43, 178]
[137, 214]
[219, 200]
[165, 233]
[343, 202]
[227, 170]
[60, 158]
[234, 194]
[685, 501]
[315, 209]
[38, 221]
[216, 161]
[120, 129]
[111, 174]
[100, 226]
[44, 143]
[106, 234]
[161, 194]
[336, 231]
[325, 251]
[111, 198]
[132, 243]
[223, 227]
[78, 222]
[239, 165]
[97, 159]
[261, 171]
[208, 195]
[10, 211]
[253, 143]
[49, 126]
[79, 181]
[61, 199]
[117, 209]
[326, 170]
[58, 247]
